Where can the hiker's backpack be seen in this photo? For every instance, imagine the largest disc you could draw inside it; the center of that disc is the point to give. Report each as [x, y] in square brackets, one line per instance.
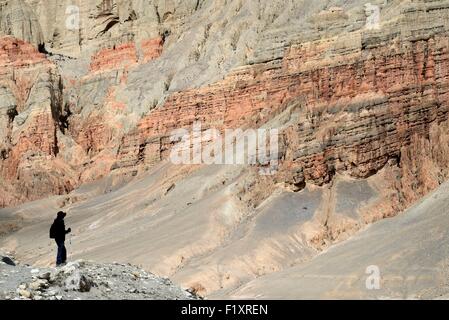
[53, 231]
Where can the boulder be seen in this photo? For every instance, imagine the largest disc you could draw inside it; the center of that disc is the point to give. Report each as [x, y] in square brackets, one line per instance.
[39, 284]
[7, 260]
[25, 293]
[79, 282]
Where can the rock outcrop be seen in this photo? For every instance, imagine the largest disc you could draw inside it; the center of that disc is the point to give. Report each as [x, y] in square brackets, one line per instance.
[362, 100]
[87, 281]
[30, 115]
[18, 19]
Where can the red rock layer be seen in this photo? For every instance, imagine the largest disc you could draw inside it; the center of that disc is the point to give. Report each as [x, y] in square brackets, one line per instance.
[29, 167]
[114, 58]
[126, 54]
[15, 53]
[18, 64]
[151, 48]
[361, 113]
[359, 108]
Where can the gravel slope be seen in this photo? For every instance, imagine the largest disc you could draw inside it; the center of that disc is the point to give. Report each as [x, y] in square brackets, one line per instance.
[411, 252]
[82, 280]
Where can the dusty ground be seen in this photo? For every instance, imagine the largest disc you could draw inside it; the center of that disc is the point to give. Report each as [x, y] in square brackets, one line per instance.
[189, 224]
[411, 252]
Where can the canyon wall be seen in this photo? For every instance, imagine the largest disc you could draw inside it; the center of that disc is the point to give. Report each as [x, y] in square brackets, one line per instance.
[362, 112]
[362, 100]
[81, 105]
[30, 112]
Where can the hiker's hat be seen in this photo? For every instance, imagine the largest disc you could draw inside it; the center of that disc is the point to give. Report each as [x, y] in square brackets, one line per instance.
[61, 214]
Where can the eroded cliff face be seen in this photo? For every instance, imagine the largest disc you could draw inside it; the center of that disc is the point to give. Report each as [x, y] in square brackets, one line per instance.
[349, 100]
[30, 115]
[19, 19]
[354, 104]
[361, 97]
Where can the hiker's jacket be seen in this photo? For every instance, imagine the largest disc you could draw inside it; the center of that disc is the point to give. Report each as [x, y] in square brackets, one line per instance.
[59, 229]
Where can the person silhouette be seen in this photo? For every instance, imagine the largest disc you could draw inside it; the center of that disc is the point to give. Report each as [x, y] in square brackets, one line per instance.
[58, 232]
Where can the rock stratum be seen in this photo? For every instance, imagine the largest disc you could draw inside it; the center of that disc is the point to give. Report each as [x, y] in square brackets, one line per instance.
[88, 106]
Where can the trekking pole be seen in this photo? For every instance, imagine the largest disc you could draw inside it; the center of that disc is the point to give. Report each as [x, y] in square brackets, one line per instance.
[70, 247]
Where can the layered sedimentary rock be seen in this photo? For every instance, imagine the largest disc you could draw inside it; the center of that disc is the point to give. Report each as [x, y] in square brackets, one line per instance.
[361, 96]
[361, 100]
[126, 55]
[18, 19]
[70, 28]
[30, 124]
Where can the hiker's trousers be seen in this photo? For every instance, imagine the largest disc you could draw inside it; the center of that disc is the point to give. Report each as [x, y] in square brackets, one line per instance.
[62, 252]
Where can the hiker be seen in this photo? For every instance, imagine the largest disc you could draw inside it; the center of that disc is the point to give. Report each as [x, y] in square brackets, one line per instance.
[58, 232]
